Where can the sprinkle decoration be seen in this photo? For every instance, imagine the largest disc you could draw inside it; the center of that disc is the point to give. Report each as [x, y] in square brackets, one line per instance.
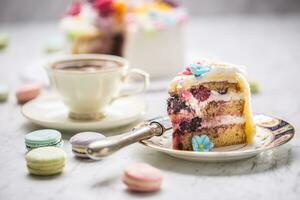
[187, 71]
[186, 94]
[120, 9]
[201, 143]
[195, 69]
[198, 70]
[148, 17]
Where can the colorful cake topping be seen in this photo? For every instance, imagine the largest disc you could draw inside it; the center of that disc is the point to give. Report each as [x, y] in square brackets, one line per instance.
[201, 143]
[103, 7]
[86, 17]
[187, 71]
[205, 71]
[155, 15]
[74, 9]
[198, 70]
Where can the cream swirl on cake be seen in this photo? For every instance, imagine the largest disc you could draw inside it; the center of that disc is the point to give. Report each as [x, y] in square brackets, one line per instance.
[213, 99]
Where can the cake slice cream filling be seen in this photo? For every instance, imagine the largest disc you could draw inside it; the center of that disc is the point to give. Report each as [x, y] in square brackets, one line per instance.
[223, 121]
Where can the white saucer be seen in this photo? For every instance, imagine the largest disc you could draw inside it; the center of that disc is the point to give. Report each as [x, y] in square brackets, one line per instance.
[270, 133]
[48, 111]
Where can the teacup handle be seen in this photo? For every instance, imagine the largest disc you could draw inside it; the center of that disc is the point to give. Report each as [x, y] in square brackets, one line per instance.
[146, 81]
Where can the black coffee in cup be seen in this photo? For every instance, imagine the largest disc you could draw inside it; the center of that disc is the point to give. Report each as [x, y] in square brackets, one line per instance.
[86, 65]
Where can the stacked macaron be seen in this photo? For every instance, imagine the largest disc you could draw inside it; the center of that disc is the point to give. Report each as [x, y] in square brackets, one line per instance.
[43, 138]
[81, 141]
[142, 177]
[45, 161]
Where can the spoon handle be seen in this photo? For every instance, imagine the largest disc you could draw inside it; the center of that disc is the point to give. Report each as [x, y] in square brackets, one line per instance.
[105, 147]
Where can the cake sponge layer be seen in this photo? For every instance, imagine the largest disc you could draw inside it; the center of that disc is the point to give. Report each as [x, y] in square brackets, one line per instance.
[220, 136]
[223, 108]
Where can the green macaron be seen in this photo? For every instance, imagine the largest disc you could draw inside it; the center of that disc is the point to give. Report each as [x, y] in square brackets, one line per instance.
[55, 44]
[43, 138]
[4, 92]
[45, 161]
[254, 87]
[3, 40]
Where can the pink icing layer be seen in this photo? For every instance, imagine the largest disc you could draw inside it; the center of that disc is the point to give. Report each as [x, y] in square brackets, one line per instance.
[223, 120]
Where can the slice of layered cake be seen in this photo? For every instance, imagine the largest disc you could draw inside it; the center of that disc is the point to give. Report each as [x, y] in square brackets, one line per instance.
[209, 106]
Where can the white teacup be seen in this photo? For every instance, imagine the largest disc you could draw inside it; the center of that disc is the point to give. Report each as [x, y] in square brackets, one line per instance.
[87, 83]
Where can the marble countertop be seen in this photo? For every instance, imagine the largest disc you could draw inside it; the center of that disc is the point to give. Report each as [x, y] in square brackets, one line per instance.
[268, 45]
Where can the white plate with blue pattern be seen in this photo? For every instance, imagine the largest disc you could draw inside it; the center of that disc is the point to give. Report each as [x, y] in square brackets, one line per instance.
[270, 133]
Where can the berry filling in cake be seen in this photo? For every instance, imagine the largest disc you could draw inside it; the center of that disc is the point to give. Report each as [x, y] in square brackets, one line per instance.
[209, 102]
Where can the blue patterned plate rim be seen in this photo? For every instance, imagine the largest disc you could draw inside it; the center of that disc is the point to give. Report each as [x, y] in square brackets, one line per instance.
[271, 132]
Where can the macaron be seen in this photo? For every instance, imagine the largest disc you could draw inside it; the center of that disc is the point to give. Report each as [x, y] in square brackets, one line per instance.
[28, 92]
[254, 87]
[45, 161]
[43, 138]
[81, 141]
[142, 177]
[3, 40]
[55, 44]
[4, 92]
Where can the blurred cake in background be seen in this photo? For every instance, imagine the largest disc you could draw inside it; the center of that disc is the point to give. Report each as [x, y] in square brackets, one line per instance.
[148, 33]
[95, 26]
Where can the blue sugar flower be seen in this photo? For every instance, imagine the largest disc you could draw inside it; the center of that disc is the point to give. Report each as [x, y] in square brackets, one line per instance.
[201, 143]
[198, 70]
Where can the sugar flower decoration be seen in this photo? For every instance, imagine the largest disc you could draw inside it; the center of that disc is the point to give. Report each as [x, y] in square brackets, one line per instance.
[198, 70]
[201, 143]
[187, 71]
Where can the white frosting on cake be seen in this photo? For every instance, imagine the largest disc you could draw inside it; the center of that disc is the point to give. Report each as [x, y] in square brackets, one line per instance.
[218, 72]
[82, 24]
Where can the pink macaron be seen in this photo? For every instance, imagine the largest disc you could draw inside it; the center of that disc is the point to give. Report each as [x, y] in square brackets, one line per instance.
[28, 92]
[142, 177]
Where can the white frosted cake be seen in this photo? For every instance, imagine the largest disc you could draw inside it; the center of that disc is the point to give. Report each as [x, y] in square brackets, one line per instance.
[148, 33]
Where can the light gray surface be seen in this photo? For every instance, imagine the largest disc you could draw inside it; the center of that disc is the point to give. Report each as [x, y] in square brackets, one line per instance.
[268, 45]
